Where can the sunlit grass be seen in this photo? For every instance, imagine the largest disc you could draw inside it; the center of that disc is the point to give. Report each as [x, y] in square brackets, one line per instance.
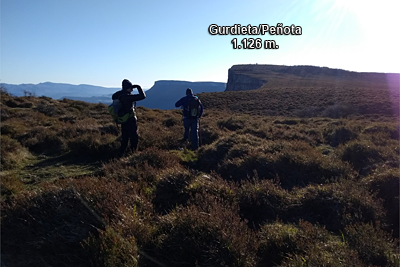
[260, 191]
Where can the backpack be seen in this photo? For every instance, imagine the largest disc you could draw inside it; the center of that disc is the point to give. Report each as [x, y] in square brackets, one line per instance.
[117, 112]
[193, 107]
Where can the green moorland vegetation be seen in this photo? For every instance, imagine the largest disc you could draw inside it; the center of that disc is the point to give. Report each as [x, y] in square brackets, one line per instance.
[268, 186]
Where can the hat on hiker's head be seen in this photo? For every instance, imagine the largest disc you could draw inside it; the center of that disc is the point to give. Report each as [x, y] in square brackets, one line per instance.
[189, 91]
[126, 84]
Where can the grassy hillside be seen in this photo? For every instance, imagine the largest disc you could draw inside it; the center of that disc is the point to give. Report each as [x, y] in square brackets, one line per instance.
[307, 91]
[260, 191]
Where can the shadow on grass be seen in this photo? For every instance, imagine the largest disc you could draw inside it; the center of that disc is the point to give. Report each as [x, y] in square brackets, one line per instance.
[61, 167]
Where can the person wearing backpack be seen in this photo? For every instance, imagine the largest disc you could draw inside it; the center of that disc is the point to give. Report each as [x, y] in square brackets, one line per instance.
[129, 128]
[192, 112]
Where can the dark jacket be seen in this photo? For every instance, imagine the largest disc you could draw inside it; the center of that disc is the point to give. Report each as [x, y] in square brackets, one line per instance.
[183, 102]
[128, 100]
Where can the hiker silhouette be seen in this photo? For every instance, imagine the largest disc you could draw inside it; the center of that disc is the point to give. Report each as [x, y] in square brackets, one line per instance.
[129, 129]
[192, 112]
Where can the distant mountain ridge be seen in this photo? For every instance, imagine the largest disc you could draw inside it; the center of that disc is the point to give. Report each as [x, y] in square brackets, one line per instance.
[59, 90]
[162, 95]
[165, 93]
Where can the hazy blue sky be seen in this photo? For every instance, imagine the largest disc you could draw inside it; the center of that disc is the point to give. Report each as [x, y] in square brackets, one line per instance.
[101, 42]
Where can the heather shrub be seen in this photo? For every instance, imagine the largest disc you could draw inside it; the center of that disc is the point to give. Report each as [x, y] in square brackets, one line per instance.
[80, 106]
[298, 164]
[308, 112]
[100, 107]
[12, 152]
[212, 235]
[34, 225]
[390, 130]
[212, 186]
[171, 121]
[360, 154]
[181, 188]
[10, 129]
[154, 157]
[374, 246]
[208, 135]
[276, 242]
[209, 156]
[339, 135]
[48, 109]
[187, 157]
[110, 249]
[337, 205]
[5, 113]
[11, 185]
[99, 146]
[120, 170]
[233, 123]
[11, 103]
[339, 111]
[262, 201]
[19, 102]
[286, 122]
[295, 163]
[154, 134]
[111, 201]
[303, 245]
[170, 191]
[385, 184]
[41, 139]
[109, 129]
[145, 166]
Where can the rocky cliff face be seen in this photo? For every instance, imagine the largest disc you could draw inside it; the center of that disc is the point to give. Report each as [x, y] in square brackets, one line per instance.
[242, 82]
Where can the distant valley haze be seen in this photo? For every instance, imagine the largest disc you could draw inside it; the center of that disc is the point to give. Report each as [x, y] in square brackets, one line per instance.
[163, 94]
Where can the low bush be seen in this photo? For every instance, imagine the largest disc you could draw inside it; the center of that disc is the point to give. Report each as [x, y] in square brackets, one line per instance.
[11, 185]
[154, 134]
[295, 163]
[339, 135]
[262, 202]
[41, 139]
[374, 246]
[340, 111]
[337, 205]
[385, 184]
[48, 109]
[361, 155]
[212, 235]
[170, 191]
[99, 146]
[46, 228]
[232, 123]
[12, 152]
[303, 245]
[110, 249]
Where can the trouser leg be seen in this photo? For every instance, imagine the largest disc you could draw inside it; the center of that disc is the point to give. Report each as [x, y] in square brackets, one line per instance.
[124, 138]
[186, 125]
[129, 135]
[133, 137]
[195, 133]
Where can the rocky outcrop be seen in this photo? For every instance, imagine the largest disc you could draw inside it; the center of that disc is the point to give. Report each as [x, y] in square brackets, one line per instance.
[241, 81]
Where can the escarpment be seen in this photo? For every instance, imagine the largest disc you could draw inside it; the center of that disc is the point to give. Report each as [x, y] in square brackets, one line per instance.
[239, 81]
